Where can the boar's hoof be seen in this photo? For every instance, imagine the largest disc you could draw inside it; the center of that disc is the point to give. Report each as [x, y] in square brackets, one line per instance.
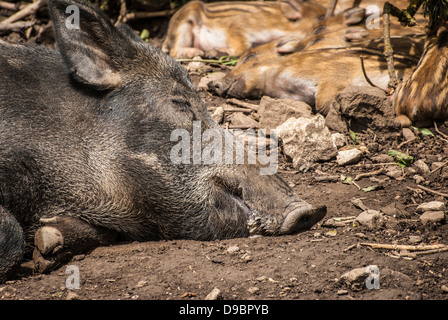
[41, 264]
[48, 240]
[403, 121]
[302, 219]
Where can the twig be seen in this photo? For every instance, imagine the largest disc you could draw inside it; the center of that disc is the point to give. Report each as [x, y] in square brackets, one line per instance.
[366, 77]
[405, 247]
[241, 126]
[145, 15]
[445, 195]
[330, 9]
[406, 142]
[230, 109]
[9, 5]
[16, 25]
[438, 168]
[122, 15]
[368, 174]
[441, 133]
[30, 9]
[388, 50]
[356, 185]
[242, 104]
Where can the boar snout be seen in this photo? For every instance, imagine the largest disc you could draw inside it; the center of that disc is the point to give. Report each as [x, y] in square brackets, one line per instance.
[229, 86]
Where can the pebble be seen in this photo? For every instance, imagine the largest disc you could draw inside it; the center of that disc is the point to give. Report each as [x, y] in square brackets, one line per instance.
[421, 166]
[233, 249]
[346, 157]
[415, 239]
[215, 294]
[342, 292]
[253, 290]
[370, 218]
[431, 206]
[432, 216]
[444, 288]
[72, 296]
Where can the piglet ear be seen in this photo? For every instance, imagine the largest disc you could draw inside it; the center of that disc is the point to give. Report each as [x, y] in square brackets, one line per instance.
[91, 47]
[354, 16]
[291, 9]
[289, 45]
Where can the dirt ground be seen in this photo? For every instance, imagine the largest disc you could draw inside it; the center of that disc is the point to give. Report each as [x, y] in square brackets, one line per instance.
[306, 266]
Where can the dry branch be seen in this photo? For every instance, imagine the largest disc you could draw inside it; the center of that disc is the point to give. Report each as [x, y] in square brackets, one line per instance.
[15, 25]
[406, 247]
[28, 10]
[242, 104]
[445, 195]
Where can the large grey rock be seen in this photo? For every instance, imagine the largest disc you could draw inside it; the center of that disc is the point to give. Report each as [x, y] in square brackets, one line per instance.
[361, 106]
[274, 112]
[306, 140]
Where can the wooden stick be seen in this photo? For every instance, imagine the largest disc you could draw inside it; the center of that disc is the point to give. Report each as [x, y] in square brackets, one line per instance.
[445, 195]
[388, 50]
[230, 109]
[330, 9]
[438, 131]
[367, 77]
[242, 104]
[368, 174]
[145, 15]
[30, 9]
[15, 25]
[9, 5]
[438, 168]
[405, 247]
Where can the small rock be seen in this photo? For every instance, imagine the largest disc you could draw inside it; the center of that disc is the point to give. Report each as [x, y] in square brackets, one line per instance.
[246, 257]
[415, 239]
[195, 65]
[240, 119]
[253, 290]
[431, 206]
[436, 165]
[342, 292]
[418, 178]
[382, 158]
[233, 249]
[331, 233]
[421, 166]
[394, 172]
[432, 216]
[72, 296]
[274, 112]
[141, 284]
[370, 218]
[215, 294]
[346, 157]
[339, 139]
[444, 288]
[218, 114]
[355, 275]
[408, 134]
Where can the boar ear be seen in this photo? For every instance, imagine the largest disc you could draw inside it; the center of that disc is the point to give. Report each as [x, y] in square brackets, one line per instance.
[289, 45]
[90, 45]
[291, 9]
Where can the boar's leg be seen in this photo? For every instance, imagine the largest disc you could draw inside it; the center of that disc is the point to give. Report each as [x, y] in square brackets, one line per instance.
[12, 243]
[61, 237]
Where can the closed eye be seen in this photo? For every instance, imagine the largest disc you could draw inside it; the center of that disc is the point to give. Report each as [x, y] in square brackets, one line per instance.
[184, 105]
[181, 102]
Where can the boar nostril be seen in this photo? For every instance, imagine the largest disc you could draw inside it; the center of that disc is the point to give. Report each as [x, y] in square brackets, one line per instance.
[217, 87]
